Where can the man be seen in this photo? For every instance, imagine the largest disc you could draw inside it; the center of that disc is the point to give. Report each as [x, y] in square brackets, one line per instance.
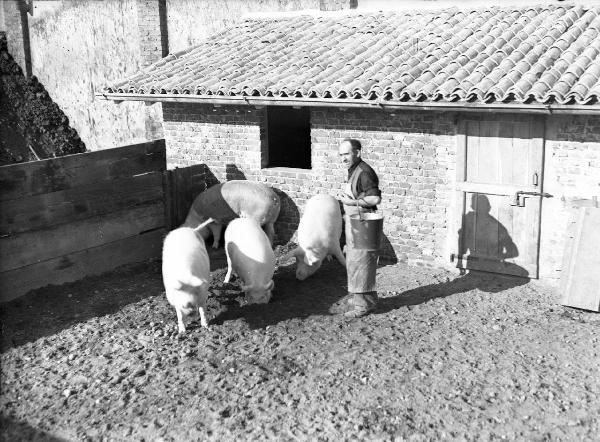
[361, 194]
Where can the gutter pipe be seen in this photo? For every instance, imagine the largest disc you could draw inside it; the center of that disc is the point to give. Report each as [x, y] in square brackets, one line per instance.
[547, 109]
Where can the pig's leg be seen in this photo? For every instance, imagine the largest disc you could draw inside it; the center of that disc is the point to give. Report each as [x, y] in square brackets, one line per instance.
[216, 228]
[203, 321]
[229, 268]
[340, 256]
[270, 231]
[180, 323]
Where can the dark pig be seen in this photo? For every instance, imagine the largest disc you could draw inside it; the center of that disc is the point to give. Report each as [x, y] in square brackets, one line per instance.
[234, 199]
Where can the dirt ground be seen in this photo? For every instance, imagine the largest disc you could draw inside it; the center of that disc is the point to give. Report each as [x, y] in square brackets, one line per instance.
[444, 357]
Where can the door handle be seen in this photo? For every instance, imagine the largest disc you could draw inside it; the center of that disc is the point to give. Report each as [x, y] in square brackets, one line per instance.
[520, 202]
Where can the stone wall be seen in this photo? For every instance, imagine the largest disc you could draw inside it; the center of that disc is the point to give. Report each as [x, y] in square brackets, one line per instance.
[413, 153]
[11, 17]
[76, 49]
[191, 21]
[79, 46]
[32, 126]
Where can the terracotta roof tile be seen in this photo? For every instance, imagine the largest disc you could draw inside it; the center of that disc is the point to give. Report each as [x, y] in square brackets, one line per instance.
[538, 54]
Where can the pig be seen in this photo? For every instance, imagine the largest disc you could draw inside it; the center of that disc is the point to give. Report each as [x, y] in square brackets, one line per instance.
[250, 255]
[319, 235]
[227, 201]
[185, 271]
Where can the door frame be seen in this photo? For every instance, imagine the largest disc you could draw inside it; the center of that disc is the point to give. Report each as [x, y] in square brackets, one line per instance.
[461, 187]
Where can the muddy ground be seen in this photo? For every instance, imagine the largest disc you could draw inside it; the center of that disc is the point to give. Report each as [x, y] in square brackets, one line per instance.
[444, 357]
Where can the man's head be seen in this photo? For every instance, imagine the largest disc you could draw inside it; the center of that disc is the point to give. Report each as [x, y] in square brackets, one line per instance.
[349, 151]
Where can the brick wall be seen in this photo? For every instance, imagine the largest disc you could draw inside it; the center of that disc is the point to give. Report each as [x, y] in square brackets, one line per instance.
[413, 153]
[152, 24]
[571, 173]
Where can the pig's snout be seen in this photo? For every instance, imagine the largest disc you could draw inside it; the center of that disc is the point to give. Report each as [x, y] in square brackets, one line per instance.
[189, 309]
[301, 274]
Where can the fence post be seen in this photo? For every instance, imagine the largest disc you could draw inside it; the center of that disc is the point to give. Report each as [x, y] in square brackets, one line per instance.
[168, 190]
[181, 186]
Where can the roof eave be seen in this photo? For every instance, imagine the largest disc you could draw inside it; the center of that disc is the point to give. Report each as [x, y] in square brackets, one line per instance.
[536, 108]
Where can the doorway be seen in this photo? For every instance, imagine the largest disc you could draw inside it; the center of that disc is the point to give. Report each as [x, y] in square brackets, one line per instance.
[499, 186]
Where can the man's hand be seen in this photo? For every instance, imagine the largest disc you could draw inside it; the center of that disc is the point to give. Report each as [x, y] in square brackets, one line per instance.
[365, 202]
[345, 199]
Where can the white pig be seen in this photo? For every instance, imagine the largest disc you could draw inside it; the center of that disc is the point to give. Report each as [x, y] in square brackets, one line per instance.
[185, 270]
[250, 255]
[237, 198]
[319, 235]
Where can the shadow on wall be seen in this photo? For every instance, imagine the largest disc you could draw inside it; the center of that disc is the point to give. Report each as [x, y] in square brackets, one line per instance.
[486, 241]
[288, 220]
[12, 429]
[232, 172]
[211, 179]
[387, 254]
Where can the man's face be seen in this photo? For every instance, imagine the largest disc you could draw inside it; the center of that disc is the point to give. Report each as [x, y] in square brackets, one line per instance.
[348, 155]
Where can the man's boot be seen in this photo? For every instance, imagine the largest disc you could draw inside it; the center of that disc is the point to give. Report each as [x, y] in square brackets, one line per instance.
[363, 303]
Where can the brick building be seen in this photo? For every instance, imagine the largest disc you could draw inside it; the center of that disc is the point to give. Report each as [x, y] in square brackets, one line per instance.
[482, 124]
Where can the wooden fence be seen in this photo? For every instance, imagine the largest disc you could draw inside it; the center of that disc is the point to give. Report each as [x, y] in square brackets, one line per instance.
[181, 187]
[64, 218]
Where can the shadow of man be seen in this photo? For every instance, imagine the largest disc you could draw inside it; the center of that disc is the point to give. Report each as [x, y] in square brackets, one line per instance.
[484, 245]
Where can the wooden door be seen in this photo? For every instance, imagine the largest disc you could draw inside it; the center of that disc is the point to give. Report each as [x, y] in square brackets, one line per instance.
[497, 228]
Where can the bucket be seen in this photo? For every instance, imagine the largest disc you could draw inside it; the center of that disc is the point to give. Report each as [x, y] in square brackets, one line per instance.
[367, 229]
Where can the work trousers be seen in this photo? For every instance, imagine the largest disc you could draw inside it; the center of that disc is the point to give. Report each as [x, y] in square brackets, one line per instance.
[361, 266]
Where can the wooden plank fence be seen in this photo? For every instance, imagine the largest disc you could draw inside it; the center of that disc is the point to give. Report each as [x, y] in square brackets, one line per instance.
[64, 218]
[181, 187]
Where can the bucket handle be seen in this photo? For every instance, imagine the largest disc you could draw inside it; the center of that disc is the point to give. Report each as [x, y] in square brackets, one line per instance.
[360, 217]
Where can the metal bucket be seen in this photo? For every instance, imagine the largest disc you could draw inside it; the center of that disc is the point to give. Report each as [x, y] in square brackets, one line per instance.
[367, 229]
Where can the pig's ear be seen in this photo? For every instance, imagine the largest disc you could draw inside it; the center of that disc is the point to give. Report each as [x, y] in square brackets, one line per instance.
[310, 258]
[270, 285]
[196, 282]
[177, 285]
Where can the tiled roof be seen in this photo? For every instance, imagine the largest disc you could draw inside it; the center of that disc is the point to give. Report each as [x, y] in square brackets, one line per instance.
[545, 54]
